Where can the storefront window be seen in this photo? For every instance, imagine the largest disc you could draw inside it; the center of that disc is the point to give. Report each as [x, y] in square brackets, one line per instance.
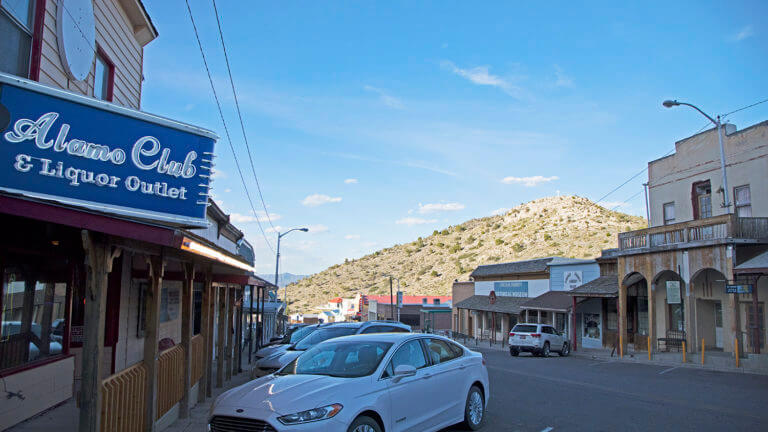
[676, 317]
[612, 317]
[642, 316]
[591, 326]
[544, 318]
[33, 319]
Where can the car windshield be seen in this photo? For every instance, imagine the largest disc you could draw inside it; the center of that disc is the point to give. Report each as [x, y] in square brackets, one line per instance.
[321, 335]
[299, 334]
[524, 328]
[344, 359]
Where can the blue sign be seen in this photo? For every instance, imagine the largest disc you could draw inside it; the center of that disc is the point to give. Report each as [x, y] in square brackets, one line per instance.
[82, 152]
[738, 289]
[511, 288]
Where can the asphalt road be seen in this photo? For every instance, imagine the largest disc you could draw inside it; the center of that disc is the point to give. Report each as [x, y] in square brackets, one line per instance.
[575, 394]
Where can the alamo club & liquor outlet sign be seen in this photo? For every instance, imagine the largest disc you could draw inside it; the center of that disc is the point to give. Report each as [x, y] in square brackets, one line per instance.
[74, 150]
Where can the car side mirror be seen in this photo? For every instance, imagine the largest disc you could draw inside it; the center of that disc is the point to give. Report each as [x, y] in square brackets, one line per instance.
[403, 371]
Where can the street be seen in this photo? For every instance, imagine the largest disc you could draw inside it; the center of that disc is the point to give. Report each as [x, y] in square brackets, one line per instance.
[576, 394]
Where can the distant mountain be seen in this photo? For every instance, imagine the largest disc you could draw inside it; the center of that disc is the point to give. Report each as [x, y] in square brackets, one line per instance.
[567, 226]
[284, 278]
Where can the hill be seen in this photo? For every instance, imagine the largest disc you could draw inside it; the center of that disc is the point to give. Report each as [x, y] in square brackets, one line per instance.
[566, 226]
[284, 278]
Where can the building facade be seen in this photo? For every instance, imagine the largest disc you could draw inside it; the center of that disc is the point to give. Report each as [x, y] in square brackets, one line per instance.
[677, 278]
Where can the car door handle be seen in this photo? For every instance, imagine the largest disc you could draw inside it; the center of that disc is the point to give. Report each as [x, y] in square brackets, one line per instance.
[462, 367]
[427, 376]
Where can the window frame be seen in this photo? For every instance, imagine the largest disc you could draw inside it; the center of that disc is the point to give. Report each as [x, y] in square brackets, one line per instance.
[110, 78]
[664, 218]
[748, 204]
[429, 358]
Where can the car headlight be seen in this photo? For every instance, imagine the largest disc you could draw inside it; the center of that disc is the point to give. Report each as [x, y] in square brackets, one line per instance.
[307, 416]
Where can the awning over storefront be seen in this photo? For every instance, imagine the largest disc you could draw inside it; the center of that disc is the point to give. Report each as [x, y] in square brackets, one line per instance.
[555, 301]
[510, 305]
[604, 286]
[758, 264]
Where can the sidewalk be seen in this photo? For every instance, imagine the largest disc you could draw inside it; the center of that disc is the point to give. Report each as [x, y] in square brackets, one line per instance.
[65, 416]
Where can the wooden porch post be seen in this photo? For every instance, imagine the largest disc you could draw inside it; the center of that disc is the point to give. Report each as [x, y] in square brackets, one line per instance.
[151, 335]
[239, 333]
[206, 319]
[221, 336]
[651, 315]
[186, 335]
[230, 332]
[574, 336]
[621, 306]
[99, 255]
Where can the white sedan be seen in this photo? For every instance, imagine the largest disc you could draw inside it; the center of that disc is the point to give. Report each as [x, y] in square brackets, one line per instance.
[363, 383]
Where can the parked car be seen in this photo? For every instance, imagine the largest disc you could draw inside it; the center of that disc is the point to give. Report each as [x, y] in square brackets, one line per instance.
[286, 342]
[538, 339]
[363, 383]
[10, 328]
[279, 359]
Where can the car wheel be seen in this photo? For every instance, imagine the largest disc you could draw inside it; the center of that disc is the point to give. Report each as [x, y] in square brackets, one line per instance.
[545, 350]
[474, 410]
[514, 352]
[565, 350]
[364, 424]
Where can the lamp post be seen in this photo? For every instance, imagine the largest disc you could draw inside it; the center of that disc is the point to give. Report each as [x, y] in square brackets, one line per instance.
[716, 122]
[391, 299]
[277, 262]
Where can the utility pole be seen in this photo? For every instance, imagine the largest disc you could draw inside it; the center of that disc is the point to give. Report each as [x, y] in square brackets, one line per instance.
[391, 301]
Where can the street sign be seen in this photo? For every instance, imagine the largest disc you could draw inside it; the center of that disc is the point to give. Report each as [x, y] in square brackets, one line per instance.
[738, 289]
[673, 292]
[399, 299]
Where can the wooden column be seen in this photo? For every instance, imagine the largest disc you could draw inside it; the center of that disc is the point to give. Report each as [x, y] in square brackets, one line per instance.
[622, 311]
[186, 335]
[151, 335]
[99, 255]
[221, 336]
[45, 333]
[239, 334]
[206, 318]
[230, 332]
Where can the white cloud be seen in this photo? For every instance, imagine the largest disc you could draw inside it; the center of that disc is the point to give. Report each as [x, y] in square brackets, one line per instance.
[316, 229]
[260, 216]
[315, 200]
[481, 76]
[439, 207]
[529, 181]
[410, 221]
[744, 33]
[352, 237]
[562, 80]
[278, 228]
[499, 211]
[615, 205]
[386, 98]
[227, 190]
[350, 181]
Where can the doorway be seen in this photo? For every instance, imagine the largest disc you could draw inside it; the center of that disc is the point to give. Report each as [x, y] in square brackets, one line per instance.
[718, 324]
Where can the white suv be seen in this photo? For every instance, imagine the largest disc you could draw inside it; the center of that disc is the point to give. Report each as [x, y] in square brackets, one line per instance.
[538, 339]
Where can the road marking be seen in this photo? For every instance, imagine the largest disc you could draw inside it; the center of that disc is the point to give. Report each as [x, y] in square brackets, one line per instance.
[547, 429]
[668, 370]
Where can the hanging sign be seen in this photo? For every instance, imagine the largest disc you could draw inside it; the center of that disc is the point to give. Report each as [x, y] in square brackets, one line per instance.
[673, 292]
[399, 299]
[738, 289]
[86, 153]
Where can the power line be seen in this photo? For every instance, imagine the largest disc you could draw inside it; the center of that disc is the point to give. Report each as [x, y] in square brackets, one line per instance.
[625, 201]
[226, 130]
[240, 116]
[743, 108]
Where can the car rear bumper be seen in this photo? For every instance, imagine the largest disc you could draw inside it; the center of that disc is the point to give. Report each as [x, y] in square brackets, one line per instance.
[526, 348]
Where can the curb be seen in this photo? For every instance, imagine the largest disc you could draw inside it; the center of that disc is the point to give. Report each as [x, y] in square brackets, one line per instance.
[628, 359]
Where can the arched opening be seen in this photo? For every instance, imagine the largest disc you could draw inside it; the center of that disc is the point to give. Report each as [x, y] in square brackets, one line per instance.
[710, 310]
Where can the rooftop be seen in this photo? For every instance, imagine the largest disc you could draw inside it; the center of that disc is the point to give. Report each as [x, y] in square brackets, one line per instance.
[536, 265]
[502, 304]
[558, 301]
[603, 286]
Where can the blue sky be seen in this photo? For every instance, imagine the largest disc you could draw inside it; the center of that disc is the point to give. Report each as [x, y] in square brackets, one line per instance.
[376, 122]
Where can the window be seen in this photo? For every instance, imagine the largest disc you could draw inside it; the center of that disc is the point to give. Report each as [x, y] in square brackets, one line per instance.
[375, 329]
[702, 200]
[408, 354]
[441, 351]
[743, 200]
[323, 334]
[544, 317]
[16, 18]
[669, 213]
[33, 323]
[341, 359]
[103, 76]
[676, 317]
[436, 301]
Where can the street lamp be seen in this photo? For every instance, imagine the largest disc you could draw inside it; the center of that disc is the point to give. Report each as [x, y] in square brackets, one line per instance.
[277, 262]
[716, 122]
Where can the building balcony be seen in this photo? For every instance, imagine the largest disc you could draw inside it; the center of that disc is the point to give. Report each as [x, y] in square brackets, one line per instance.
[724, 229]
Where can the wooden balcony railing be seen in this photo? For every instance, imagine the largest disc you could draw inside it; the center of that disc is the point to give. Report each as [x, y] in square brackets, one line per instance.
[196, 347]
[170, 379]
[122, 405]
[714, 228]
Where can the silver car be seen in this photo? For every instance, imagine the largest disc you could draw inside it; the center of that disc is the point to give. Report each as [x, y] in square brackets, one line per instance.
[538, 339]
[290, 339]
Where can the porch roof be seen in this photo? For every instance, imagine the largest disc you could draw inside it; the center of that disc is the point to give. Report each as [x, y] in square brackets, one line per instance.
[502, 304]
[603, 286]
[758, 264]
[556, 301]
